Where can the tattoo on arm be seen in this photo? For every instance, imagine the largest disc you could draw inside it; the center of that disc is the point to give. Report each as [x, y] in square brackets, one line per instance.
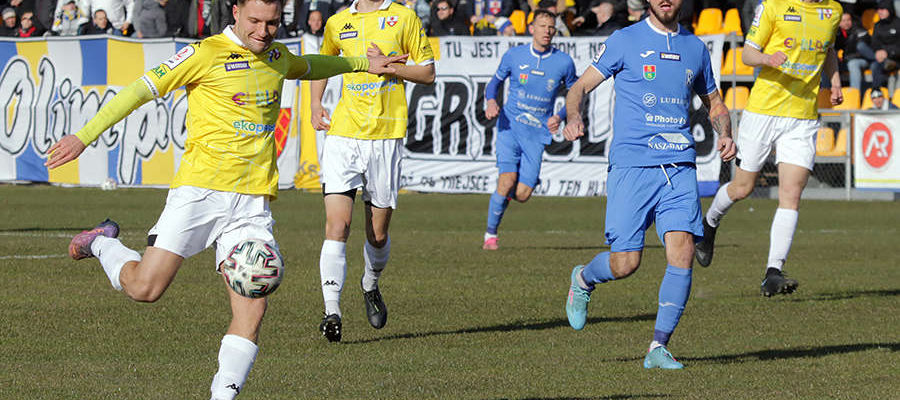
[720, 120]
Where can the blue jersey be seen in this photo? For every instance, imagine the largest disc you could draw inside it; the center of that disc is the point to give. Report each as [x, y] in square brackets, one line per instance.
[654, 74]
[535, 79]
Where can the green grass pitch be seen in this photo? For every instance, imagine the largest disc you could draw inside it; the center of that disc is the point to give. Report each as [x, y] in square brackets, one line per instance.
[464, 323]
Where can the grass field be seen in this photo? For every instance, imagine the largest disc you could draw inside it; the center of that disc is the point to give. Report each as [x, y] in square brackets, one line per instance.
[464, 323]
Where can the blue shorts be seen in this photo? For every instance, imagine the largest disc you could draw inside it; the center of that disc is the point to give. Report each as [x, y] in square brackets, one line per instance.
[640, 196]
[517, 153]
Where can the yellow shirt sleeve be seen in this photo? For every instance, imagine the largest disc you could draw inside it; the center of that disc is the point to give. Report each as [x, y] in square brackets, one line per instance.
[186, 67]
[416, 43]
[122, 104]
[762, 26]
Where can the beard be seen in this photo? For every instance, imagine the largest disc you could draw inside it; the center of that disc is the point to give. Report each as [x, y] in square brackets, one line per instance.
[663, 17]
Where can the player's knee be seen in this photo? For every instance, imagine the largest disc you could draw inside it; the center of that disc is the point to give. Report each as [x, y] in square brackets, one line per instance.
[377, 239]
[523, 195]
[739, 191]
[337, 229]
[144, 293]
[623, 267]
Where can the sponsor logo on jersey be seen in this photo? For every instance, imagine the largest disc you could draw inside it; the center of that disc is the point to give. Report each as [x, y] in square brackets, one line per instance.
[825, 13]
[237, 65]
[647, 53]
[670, 56]
[523, 78]
[274, 54]
[247, 128]
[262, 98]
[599, 53]
[757, 15]
[537, 72]
[792, 18]
[348, 35]
[235, 56]
[371, 88]
[649, 99]
[180, 57]
[791, 9]
[649, 72]
[652, 119]
[668, 141]
[530, 120]
[159, 71]
[807, 44]
[523, 66]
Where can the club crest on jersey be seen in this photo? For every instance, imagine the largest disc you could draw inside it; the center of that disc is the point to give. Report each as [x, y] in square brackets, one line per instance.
[688, 77]
[523, 78]
[649, 72]
[274, 54]
[825, 13]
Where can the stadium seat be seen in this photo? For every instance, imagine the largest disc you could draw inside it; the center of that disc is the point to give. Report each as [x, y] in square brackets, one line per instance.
[530, 18]
[709, 22]
[736, 97]
[732, 22]
[824, 99]
[824, 140]
[517, 18]
[867, 98]
[734, 64]
[840, 146]
[851, 99]
[869, 18]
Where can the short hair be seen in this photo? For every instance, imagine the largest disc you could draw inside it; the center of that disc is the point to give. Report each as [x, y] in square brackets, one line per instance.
[240, 3]
[546, 3]
[545, 12]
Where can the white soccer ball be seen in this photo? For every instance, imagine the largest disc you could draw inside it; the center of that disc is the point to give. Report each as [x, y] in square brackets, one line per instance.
[109, 184]
[253, 268]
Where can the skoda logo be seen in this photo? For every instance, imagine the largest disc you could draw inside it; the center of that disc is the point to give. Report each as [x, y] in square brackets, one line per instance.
[649, 99]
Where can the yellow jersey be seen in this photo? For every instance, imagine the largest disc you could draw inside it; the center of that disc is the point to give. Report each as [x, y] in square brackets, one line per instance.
[233, 103]
[372, 106]
[803, 31]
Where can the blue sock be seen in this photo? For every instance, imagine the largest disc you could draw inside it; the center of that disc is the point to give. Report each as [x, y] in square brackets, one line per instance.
[673, 296]
[597, 271]
[495, 212]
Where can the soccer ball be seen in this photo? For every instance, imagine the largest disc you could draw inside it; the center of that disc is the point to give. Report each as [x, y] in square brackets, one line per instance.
[253, 269]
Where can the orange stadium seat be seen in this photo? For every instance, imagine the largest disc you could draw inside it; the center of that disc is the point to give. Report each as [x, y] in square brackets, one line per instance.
[736, 97]
[732, 22]
[517, 18]
[869, 18]
[824, 140]
[896, 97]
[709, 22]
[530, 18]
[824, 99]
[851, 99]
[867, 98]
[734, 64]
[840, 146]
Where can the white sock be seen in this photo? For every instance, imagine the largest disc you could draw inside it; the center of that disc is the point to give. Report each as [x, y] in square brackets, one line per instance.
[654, 344]
[719, 207]
[376, 260]
[236, 357]
[489, 235]
[783, 226]
[333, 271]
[113, 255]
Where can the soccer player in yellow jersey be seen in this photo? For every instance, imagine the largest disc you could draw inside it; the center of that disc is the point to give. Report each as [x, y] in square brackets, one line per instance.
[228, 173]
[791, 40]
[362, 147]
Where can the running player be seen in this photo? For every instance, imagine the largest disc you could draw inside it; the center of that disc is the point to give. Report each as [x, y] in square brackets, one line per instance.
[791, 40]
[362, 147]
[227, 175]
[539, 70]
[652, 174]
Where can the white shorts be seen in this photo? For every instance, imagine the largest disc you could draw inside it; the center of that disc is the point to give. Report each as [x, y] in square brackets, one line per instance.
[370, 164]
[195, 218]
[794, 140]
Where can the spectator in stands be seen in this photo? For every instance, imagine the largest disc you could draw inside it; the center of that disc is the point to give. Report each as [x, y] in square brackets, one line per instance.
[178, 13]
[553, 6]
[9, 27]
[67, 18]
[150, 18]
[99, 25]
[886, 43]
[27, 27]
[880, 103]
[602, 18]
[483, 13]
[218, 15]
[43, 13]
[504, 27]
[748, 11]
[422, 9]
[118, 12]
[636, 11]
[853, 40]
[445, 20]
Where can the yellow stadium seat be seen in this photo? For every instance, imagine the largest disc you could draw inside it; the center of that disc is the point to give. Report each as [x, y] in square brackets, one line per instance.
[851, 99]
[869, 18]
[530, 18]
[709, 22]
[840, 146]
[734, 64]
[732, 22]
[824, 140]
[736, 97]
[824, 99]
[896, 97]
[867, 98]
[517, 18]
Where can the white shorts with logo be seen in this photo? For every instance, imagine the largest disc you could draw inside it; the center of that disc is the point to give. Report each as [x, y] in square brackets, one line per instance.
[370, 164]
[196, 218]
[794, 140]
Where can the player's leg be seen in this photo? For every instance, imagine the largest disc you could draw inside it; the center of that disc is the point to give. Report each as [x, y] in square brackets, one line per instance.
[754, 142]
[529, 168]
[239, 346]
[508, 156]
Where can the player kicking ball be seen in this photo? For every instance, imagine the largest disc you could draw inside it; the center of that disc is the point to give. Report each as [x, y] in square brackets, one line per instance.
[228, 172]
[538, 71]
[652, 172]
[791, 40]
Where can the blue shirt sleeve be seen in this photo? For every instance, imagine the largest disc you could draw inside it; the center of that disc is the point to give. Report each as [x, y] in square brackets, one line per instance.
[503, 69]
[706, 82]
[490, 92]
[571, 75]
[609, 60]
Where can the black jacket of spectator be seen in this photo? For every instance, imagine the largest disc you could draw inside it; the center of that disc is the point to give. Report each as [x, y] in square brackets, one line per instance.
[453, 26]
[92, 29]
[886, 35]
[303, 7]
[849, 40]
[43, 13]
[177, 15]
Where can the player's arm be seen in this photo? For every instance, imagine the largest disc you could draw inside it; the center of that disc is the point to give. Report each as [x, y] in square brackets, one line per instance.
[493, 87]
[756, 58]
[584, 85]
[422, 74]
[720, 119]
[834, 75]
[319, 115]
[569, 80]
[760, 32]
[123, 103]
[317, 66]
